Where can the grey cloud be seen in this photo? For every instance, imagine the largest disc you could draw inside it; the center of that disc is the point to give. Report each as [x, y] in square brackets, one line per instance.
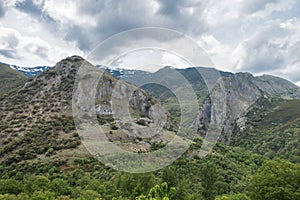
[2, 9]
[294, 76]
[170, 7]
[27, 6]
[36, 49]
[80, 36]
[112, 17]
[93, 7]
[9, 53]
[264, 58]
[272, 49]
[11, 43]
[146, 38]
[12, 40]
[110, 20]
[176, 15]
[14, 46]
[229, 24]
[116, 16]
[42, 52]
[255, 5]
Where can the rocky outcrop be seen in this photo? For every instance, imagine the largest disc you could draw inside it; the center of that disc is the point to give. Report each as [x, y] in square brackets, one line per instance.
[97, 91]
[241, 90]
[227, 102]
[38, 118]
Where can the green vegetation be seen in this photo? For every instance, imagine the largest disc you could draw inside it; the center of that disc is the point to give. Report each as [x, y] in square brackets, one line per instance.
[10, 79]
[276, 179]
[42, 156]
[272, 129]
[227, 174]
[226, 170]
[159, 192]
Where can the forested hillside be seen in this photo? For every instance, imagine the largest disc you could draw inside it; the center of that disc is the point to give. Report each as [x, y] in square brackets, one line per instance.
[43, 157]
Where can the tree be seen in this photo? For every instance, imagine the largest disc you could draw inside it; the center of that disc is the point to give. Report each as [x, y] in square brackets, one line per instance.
[43, 195]
[10, 186]
[233, 197]
[14, 197]
[60, 187]
[209, 178]
[159, 192]
[276, 179]
[89, 195]
[132, 185]
[169, 176]
[36, 183]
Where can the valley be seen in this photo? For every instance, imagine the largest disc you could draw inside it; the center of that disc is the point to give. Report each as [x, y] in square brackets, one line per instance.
[44, 157]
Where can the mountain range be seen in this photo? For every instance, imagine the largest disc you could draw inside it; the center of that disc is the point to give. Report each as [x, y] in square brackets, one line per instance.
[36, 70]
[241, 92]
[258, 117]
[29, 71]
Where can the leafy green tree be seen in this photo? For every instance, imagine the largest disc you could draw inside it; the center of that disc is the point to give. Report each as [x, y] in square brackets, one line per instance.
[233, 197]
[195, 196]
[63, 198]
[60, 187]
[276, 179]
[84, 181]
[89, 195]
[170, 176]
[132, 185]
[20, 196]
[10, 186]
[159, 192]
[209, 178]
[36, 183]
[182, 190]
[43, 195]
[41, 183]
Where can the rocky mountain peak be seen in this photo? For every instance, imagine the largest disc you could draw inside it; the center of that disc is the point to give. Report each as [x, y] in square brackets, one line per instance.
[39, 116]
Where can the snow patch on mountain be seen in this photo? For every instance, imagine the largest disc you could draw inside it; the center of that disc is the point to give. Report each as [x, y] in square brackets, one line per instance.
[30, 71]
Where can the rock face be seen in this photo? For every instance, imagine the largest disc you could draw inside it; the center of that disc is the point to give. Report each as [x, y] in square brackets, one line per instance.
[241, 90]
[114, 97]
[60, 79]
[229, 99]
[37, 119]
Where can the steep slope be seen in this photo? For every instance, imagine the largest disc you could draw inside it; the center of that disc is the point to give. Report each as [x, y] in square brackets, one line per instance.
[192, 75]
[37, 120]
[276, 86]
[242, 90]
[173, 76]
[272, 128]
[9, 79]
[42, 155]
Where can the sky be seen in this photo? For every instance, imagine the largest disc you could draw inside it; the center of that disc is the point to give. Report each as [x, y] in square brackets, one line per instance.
[257, 36]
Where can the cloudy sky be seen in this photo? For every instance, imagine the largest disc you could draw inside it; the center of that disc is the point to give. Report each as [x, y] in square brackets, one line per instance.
[258, 36]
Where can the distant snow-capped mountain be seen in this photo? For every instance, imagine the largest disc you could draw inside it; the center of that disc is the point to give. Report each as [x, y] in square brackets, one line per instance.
[118, 72]
[30, 71]
[123, 73]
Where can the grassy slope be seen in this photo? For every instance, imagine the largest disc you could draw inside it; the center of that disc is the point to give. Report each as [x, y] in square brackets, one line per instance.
[10, 79]
[273, 129]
